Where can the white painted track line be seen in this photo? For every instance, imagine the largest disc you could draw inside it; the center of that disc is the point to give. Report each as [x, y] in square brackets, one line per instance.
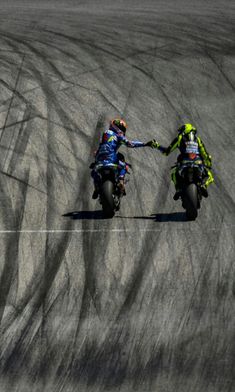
[101, 230]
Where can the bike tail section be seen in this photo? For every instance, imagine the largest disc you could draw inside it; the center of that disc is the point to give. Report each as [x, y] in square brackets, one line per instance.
[109, 192]
[190, 177]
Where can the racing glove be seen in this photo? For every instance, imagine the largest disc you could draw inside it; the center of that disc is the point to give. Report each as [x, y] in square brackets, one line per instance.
[153, 143]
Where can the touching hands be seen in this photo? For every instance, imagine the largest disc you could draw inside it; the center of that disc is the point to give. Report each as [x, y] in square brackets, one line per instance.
[152, 143]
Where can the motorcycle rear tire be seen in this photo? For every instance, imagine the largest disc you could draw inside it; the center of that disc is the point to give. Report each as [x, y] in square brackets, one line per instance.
[107, 200]
[190, 201]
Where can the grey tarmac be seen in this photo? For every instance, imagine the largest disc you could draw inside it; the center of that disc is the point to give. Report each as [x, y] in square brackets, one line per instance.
[144, 302]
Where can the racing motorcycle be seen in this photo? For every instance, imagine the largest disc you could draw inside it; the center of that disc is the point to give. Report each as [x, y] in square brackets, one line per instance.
[109, 192]
[190, 175]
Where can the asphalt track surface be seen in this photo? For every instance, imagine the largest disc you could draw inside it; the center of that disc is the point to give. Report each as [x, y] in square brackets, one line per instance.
[145, 301]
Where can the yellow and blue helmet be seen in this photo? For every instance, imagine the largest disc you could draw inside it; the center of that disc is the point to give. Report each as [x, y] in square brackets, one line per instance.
[186, 129]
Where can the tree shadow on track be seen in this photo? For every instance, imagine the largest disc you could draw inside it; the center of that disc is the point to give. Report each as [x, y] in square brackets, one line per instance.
[162, 217]
[82, 215]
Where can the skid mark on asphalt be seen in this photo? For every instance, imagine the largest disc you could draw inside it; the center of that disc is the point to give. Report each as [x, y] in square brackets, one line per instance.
[102, 305]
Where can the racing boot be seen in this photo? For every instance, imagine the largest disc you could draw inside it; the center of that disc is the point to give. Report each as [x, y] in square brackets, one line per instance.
[95, 193]
[177, 194]
[175, 180]
[121, 187]
[204, 191]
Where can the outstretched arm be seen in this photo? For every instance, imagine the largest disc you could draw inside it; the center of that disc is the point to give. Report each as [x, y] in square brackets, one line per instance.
[164, 150]
[131, 143]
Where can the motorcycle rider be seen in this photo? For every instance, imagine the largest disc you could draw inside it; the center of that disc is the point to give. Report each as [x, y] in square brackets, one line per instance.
[107, 154]
[191, 147]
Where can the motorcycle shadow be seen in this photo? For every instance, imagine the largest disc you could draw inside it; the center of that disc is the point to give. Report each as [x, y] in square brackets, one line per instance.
[171, 217]
[164, 217]
[82, 215]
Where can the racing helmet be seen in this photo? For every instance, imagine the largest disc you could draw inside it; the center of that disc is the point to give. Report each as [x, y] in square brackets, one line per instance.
[186, 129]
[118, 125]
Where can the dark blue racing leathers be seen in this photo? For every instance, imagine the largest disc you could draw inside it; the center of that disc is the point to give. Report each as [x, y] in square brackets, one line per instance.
[107, 153]
[110, 143]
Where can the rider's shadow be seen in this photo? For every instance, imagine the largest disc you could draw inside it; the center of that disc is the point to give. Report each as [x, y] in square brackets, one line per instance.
[164, 217]
[170, 217]
[98, 214]
[82, 215]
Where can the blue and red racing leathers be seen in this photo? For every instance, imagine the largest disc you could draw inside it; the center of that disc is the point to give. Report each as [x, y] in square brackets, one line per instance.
[107, 153]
